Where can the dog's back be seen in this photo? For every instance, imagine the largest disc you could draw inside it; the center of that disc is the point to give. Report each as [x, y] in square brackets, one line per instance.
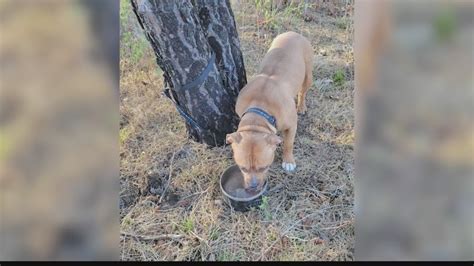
[285, 69]
[289, 55]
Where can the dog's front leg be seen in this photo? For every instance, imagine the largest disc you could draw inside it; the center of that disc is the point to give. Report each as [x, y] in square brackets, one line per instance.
[289, 163]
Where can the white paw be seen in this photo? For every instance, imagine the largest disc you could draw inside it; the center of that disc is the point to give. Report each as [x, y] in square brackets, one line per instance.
[289, 167]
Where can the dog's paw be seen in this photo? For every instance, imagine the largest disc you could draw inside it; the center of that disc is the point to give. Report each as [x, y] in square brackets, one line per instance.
[302, 111]
[289, 167]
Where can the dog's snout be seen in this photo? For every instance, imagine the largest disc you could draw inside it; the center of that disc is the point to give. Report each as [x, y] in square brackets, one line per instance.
[254, 182]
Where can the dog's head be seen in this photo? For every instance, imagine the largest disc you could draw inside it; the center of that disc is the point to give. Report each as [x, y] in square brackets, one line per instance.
[253, 153]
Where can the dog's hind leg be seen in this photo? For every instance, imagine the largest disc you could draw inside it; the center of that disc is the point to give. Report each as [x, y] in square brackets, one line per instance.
[308, 81]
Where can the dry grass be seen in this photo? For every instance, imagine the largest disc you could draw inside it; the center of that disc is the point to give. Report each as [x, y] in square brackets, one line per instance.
[307, 216]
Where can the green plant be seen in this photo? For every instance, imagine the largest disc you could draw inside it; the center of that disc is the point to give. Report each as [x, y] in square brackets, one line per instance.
[127, 221]
[124, 11]
[342, 23]
[225, 256]
[265, 208]
[188, 225]
[445, 24]
[275, 19]
[264, 8]
[272, 237]
[132, 45]
[214, 234]
[339, 77]
[124, 133]
[138, 48]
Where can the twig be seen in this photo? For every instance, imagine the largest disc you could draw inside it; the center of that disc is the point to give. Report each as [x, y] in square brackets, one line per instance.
[276, 188]
[337, 226]
[217, 159]
[182, 199]
[169, 178]
[157, 237]
[194, 194]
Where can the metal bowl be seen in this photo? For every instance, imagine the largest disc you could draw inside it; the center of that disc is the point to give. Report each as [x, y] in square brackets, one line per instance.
[232, 186]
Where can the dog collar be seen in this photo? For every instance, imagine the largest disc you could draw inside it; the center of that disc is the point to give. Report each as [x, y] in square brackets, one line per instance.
[271, 119]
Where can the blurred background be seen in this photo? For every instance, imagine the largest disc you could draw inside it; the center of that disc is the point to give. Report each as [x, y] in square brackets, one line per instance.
[59, 158]
[414, 130]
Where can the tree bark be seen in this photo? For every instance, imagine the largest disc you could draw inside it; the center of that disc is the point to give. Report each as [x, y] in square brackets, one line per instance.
[218, 24]
[196, 45]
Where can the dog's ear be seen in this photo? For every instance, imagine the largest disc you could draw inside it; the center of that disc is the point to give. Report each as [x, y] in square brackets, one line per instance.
[273, 139]
[233, 137]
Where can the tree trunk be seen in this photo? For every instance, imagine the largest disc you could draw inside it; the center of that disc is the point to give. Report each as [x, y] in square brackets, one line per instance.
[197, 47]
[217, 21]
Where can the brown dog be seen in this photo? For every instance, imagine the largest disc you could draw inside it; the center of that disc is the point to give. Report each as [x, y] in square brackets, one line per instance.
[285, 73]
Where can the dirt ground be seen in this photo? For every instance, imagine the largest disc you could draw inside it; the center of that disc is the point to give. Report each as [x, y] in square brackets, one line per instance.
[170, 203]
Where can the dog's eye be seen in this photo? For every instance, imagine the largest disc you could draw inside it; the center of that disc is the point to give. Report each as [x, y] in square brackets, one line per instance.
[263, 169]
[244, 169]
